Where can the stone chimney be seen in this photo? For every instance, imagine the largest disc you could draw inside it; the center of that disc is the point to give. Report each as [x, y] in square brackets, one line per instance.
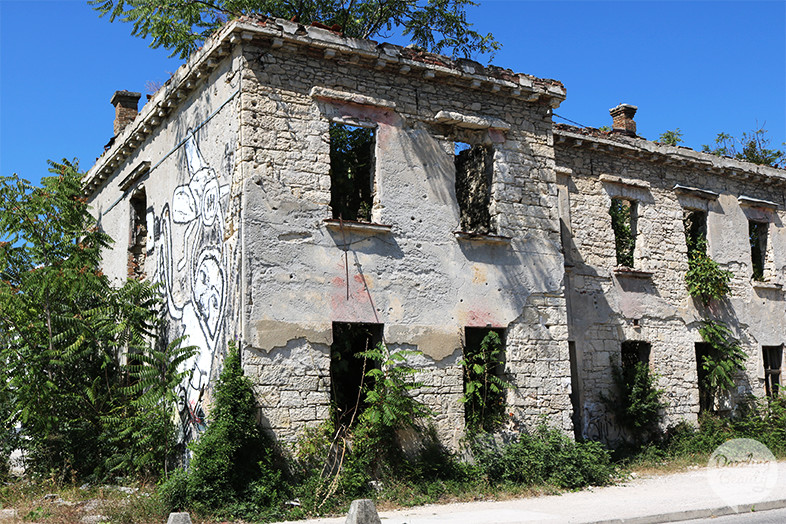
[125, 103]
[623, 119]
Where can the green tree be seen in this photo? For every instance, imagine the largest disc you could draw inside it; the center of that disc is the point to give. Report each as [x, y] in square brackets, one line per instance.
[64, 326]
[727, 359]
[183, 25]
[671, 137]
[147, 436]
[752, 147]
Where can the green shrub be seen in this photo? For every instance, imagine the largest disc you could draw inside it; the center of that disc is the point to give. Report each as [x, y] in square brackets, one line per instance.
[637, 404]
[705, 278]
[232, 471]
[546, 456]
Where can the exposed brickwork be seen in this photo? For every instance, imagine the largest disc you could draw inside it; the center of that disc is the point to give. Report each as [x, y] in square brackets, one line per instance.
[125, 103]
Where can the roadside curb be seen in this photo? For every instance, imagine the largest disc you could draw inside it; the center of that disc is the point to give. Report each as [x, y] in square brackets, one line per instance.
[678, 516]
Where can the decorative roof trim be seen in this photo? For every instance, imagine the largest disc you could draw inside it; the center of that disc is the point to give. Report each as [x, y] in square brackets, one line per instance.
[645, 150]
[278, 33]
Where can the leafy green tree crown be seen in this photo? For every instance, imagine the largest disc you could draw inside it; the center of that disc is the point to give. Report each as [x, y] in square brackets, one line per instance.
[63, 326]
[183, 25]
[752, 147]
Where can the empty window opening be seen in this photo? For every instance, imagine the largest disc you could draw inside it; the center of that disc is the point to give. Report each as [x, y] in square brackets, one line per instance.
[351, 172]
[695, 223]
[574, 390]
[348, 370]
[635, 352]
[773, 355]
[484, 383]
[757, 233]
[474, 169]
[705, 351]
[623, 223]
[137, 242]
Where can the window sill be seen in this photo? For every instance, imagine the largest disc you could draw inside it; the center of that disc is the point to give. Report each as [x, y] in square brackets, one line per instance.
[761, 284]
[370, 228]
[482, 238]
[622, 271]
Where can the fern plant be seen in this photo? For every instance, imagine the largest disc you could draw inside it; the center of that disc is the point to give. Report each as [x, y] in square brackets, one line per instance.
[390, 408]
[389, 402]
[483, 398]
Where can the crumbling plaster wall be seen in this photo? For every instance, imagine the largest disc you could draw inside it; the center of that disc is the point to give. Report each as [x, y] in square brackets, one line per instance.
[192, 213]
[417, 279]
[607, 307]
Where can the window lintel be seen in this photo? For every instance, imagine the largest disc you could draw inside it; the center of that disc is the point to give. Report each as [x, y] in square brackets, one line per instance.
[334, 95]
[470, 121]
[137, 173]
[756, 202]
[626, 182]
[695, 192]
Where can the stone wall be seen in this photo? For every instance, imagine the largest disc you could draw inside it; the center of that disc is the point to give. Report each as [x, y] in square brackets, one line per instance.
[608, 306]
[413, 276]
[232, 158]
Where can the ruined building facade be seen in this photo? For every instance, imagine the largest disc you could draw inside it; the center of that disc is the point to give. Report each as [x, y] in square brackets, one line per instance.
[463, 211]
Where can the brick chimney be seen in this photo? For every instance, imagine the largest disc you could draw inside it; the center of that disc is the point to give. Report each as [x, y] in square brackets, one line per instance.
[125, 103]
[623, 119]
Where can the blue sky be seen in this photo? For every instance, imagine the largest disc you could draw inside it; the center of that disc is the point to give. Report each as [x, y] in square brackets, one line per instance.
[703, 67]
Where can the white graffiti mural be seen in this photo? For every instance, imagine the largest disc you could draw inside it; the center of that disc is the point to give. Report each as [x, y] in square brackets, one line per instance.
[191, 267]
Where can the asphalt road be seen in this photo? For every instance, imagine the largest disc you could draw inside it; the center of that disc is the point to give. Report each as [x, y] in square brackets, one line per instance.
[775, 516]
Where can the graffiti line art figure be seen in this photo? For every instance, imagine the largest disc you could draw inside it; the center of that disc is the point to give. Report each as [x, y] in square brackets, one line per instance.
[191, 264]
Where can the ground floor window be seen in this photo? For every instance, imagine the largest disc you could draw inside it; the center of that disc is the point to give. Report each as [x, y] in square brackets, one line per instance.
[484, 385]
[703, 352]
[773, 355]
[348, 371]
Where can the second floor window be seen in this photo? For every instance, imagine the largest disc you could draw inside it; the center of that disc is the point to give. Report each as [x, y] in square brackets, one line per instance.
[757, 234]
[474, 169]
[351, 172]
[623, 222]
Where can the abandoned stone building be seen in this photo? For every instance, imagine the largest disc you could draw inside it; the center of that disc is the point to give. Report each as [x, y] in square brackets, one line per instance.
[309, 195]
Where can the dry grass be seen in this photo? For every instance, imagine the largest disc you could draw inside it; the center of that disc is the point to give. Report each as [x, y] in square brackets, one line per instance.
[50, 503]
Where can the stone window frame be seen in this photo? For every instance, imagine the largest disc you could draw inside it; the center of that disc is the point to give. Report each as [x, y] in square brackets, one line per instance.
[637, 192]
[761, 212]
[138, 233]
[475, 130]
[694, 199]
[330, 102]
[373, 175]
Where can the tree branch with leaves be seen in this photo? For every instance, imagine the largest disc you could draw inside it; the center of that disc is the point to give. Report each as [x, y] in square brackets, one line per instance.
[439, 26]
